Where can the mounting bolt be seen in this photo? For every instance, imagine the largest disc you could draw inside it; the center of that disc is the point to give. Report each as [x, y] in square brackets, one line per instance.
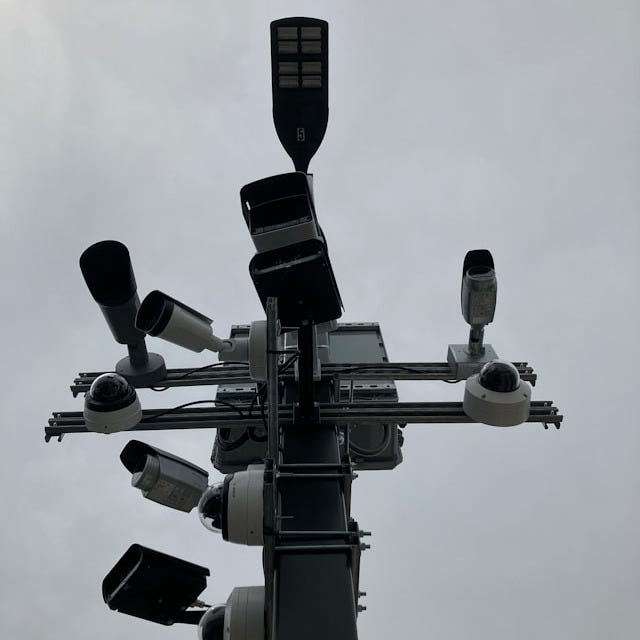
[361, 608]
[364, 547]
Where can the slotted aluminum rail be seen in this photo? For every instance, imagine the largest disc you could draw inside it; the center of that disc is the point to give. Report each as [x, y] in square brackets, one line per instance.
[239, 374]
[542, 411]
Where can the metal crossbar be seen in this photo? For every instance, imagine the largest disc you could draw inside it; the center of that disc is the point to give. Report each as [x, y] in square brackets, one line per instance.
[239, 374]
[542, 411]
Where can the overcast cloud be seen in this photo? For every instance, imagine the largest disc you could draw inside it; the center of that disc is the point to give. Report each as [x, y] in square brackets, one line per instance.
[507, 125]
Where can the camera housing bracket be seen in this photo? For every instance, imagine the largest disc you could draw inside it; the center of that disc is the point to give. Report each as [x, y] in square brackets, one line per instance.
[464, 364]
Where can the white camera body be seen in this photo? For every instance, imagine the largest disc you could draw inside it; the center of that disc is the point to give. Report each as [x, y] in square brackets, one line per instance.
[164, 477]
[235, 507]
[111, 405]
[241, 618]
[244, 615]
[501, 401]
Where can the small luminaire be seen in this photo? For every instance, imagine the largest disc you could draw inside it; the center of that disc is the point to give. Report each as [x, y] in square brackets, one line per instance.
[108, 273]
[288, 68]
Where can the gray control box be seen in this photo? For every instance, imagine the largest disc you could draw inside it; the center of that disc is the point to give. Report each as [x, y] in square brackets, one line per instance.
[372, 446]
[464, 364]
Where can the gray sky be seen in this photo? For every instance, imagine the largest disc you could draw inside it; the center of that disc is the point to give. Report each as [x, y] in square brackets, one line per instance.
[454, 125]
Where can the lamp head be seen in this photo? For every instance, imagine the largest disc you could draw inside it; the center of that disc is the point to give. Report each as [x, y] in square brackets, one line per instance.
[106, 268]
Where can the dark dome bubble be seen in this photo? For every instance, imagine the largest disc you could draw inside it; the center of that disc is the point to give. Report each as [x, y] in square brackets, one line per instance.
[108, 387]
[211, 506]
[499, 375]
[211, 626]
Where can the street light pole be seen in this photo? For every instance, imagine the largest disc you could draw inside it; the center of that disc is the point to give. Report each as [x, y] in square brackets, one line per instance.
[302, 401]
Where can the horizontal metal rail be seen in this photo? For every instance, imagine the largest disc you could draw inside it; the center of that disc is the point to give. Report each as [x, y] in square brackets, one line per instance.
[239, 374]
[357, 413]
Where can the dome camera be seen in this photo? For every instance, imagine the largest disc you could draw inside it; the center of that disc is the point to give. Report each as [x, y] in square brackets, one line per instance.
[111, 405]
[234, 507]
[242, 618]
[497, 396]
[211, 625]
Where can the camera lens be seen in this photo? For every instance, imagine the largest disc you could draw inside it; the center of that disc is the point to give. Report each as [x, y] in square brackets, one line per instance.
[499, 375]
[109, 392]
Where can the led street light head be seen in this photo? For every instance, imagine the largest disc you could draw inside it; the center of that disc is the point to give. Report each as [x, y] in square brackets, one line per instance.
[167, 318]
[106, 267]
[497, 396]
[163, 477]
[154, 586]
[111, 405]
[234, 507]
[300, 85]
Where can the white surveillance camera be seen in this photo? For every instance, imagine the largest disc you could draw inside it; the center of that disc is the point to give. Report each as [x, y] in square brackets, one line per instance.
[111, 405]
[164, 477]
[478, 295]
[234, 507]
[497, 396]
[242, 618]
[167, 318]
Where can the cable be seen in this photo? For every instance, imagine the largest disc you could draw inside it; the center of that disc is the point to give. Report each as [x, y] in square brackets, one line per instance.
[259, 396]
[207, 366]
[251, 432]
[374, 365]
[189, 404]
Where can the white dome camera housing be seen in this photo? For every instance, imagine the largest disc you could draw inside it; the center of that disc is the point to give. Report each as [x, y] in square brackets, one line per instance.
[242, 618]
[497, 396]
[234, 507]
[111, 405]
